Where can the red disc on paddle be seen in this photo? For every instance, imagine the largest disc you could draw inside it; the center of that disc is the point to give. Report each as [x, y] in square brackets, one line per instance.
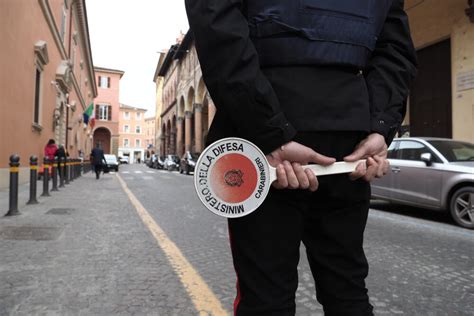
[233, 178]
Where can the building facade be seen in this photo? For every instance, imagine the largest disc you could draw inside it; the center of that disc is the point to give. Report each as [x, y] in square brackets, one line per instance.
[442, 97]
[46, 80]
[158, 80]
[132, 136]
[187, 110]
[150, 125]
[107, 108]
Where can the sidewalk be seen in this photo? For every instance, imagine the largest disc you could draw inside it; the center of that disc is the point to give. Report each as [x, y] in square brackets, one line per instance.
[84, 251]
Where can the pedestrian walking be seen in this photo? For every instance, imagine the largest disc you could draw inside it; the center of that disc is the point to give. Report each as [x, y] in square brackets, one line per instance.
[60, 153]
[97, 160]
[307, 81]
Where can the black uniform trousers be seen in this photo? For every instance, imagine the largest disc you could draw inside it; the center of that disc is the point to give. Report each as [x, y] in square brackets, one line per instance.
[330, 222]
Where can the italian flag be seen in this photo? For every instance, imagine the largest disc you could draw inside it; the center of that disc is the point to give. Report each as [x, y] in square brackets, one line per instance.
[89, 115]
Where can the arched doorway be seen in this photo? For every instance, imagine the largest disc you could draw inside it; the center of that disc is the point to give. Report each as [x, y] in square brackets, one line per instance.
[102, 137]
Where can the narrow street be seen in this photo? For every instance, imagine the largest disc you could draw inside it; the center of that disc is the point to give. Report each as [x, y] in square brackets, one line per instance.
[96, 256]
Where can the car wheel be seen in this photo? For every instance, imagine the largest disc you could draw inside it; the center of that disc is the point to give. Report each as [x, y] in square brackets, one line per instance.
[462, 207]
[187, 170]
[180, 170]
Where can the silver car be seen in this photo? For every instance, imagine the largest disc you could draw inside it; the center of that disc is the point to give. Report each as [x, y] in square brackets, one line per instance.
[434, 173]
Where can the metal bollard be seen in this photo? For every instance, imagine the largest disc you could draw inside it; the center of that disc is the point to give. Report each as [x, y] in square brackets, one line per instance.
[33, 179]
[71, 170]
[13, 203]
[66, 171]
[61, 172]
[75, 168]
[45, 177]
[55, 175]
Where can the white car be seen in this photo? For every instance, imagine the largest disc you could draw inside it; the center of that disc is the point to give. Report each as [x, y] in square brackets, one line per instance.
[123, 159]
[112, 162]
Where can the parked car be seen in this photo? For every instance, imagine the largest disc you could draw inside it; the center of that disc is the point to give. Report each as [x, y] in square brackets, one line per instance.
[188, 162]
[123, 160]
[433, 173]
[171, 163]
[159, 162]
[111, 162]
[151, 160]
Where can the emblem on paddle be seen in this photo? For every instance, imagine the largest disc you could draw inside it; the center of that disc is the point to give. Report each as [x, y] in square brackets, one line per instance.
[232, 176]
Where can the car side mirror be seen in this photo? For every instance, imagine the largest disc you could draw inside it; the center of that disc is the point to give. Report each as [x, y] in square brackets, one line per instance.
[427, 158]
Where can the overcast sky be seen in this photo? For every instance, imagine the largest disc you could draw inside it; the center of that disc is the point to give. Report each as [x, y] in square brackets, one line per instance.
[127, 34]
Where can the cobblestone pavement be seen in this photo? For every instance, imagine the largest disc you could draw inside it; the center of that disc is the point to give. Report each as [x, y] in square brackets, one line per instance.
[101, 260]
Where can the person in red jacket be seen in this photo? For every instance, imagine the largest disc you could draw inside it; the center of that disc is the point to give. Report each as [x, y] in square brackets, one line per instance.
[50, 149]
[49, 152]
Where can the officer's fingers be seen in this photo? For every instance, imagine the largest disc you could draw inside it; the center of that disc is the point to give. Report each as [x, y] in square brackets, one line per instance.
[313, 181]
[290, 174]
[380, 166]
[359, 172]
[359, 153]
[301, 176]
[320, 159]
[282, 180]
[372, 166]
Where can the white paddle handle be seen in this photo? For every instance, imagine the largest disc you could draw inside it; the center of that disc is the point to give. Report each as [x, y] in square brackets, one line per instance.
[319, 170]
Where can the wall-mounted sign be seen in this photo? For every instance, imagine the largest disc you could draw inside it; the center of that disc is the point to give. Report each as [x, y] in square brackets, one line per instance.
[465, 81]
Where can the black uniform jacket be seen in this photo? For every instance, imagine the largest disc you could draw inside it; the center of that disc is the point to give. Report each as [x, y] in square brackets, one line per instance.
[97, 156]
[268, 106]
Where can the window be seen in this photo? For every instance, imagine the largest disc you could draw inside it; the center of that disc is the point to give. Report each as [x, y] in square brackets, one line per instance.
[137, 143]
[138, 129]
[411, 150]
[103, 112]
[126, 129]
[125, 142]
[104, 82]
[36, 116]
[126, 115]
[392, 153]
[63, 21]
[41, 59]
[139, 116]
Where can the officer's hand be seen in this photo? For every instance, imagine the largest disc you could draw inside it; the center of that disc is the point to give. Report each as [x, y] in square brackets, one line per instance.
[288, 160]
[374, 149]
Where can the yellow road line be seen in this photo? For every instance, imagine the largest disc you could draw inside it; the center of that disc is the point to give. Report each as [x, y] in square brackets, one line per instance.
[202, 296]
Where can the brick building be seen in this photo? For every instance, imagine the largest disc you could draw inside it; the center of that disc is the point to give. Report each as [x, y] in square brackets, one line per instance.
[187, 109]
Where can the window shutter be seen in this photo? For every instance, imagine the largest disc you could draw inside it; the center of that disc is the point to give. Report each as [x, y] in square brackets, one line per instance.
[109, 113]
[97, 112]
[108, 82]
[99, 81]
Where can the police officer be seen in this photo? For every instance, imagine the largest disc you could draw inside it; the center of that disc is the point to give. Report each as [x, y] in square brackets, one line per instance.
[308, 81]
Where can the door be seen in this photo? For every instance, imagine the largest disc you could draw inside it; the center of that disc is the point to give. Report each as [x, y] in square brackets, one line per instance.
[413, 180]
[430, 98]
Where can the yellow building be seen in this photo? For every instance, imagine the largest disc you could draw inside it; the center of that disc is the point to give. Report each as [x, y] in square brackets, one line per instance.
[442, 97]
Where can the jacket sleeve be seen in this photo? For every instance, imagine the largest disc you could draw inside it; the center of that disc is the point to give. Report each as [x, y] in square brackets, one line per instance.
[232, 74]
[390, 72]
